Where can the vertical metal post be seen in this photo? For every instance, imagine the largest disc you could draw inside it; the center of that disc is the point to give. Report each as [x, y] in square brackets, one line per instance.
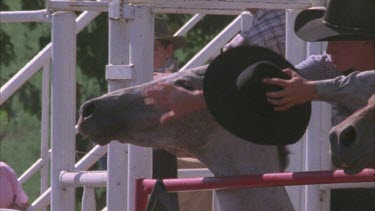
[246, 21]
[63, 107]
[117, 158]
[141, 56]
[44, 146]
[317, 145]
[295, 53]
[88, 199]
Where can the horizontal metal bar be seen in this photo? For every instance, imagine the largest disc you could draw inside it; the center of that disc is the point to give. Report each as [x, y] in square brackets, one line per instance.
[24, 16]
[84, 178]
[182, 6]
[261, 180]
[79, 5]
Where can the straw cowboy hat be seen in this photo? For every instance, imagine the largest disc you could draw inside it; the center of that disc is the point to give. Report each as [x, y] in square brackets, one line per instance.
[162, 33]
[235, 96]
[342, 20]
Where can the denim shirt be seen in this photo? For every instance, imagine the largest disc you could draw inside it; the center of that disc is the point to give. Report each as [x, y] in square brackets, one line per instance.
[346, 93]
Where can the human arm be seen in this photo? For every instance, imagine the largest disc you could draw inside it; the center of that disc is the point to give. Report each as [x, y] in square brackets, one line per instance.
[354, 89]
[295, 90]
[180, 101]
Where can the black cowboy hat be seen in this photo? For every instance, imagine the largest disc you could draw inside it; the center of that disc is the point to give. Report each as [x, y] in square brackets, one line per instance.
[235, 96]
[162, 33]
[342, 20]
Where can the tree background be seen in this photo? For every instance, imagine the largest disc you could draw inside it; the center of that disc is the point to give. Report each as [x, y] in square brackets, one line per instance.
[20, 115]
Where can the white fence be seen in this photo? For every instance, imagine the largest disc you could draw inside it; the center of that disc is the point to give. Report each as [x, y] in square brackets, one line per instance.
[140, 15]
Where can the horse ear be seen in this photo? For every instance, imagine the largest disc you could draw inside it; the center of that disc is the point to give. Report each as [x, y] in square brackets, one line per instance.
[160, 199]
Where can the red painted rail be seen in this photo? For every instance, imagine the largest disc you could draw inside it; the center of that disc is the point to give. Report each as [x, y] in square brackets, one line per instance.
[145, 186]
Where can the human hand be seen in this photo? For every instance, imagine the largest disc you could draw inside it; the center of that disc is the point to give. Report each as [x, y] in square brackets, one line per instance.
[295, 91]
[180, 101]
[238, 40]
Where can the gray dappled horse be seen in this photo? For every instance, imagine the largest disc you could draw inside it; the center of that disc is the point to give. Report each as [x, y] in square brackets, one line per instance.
[353, 141]
[122, 115]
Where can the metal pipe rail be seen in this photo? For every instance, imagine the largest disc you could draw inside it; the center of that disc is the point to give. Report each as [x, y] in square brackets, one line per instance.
[145, 186]
[84, 178]
[85, 163]
[21, 77]
[24, 16]
[224, 7]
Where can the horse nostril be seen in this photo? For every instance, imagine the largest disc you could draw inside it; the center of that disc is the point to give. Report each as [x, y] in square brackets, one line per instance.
[348, 136]
[88, 109]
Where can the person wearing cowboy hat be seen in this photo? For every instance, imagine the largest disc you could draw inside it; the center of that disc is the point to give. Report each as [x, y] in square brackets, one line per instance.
[349, 29]
[165, 45]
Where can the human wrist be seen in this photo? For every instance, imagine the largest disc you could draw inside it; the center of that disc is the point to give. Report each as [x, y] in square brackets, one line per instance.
[313, 92]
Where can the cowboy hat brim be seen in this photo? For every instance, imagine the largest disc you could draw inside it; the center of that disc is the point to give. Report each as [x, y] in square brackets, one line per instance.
[237, 114]
[310, 26]
[178, 41]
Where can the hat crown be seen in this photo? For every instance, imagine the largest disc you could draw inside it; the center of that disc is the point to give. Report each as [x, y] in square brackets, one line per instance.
[161, 28]
[351, 15]
[251, 88]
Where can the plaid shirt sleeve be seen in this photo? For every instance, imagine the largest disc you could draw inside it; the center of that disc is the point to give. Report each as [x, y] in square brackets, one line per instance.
[318, 67]
[268, 30]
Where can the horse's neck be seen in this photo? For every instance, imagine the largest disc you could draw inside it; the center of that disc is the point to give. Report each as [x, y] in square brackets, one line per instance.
[226, 155]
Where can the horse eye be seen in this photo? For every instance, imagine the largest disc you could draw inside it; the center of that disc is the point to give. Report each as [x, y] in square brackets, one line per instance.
[184, 84]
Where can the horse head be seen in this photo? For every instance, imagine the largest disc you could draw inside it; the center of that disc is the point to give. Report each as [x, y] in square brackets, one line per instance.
[352, 141]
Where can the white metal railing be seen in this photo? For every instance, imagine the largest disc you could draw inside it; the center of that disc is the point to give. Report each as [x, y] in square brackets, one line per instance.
[41, 60]
[24, 16]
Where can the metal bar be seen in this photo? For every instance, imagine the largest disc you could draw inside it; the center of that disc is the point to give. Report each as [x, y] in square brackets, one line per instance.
[213, 47]
[85, 163]
[34, 168]
[20, 78]
[88, 199]
[117, 159]
[24, 16]
[295, 53]
[100, 6]
[141, 197]
[189, 25]
[44, 144]
[260, 180]
[183, 6]
[63, 107]
[24, 74]
[84, 179]
[41, 202]
[90, 158]
[141, 32]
